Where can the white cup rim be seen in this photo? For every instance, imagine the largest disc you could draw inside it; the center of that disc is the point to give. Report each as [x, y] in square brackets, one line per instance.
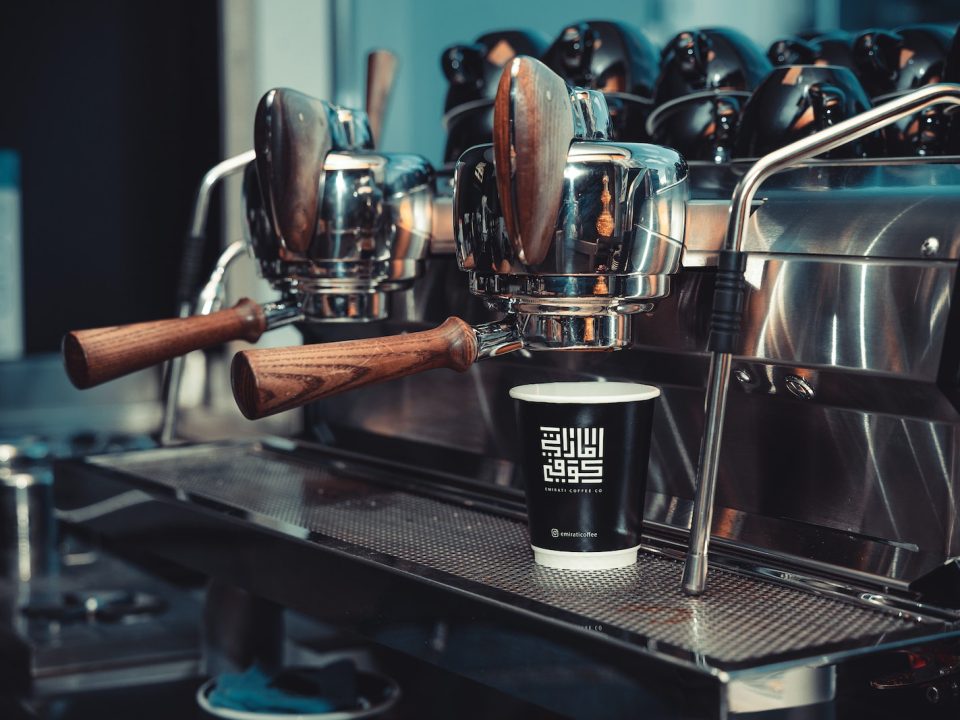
[591, 392]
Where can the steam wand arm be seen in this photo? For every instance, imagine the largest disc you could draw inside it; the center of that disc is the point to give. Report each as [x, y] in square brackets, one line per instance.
[207, 302]
[728, 299]
[193, 248]
[196, 239]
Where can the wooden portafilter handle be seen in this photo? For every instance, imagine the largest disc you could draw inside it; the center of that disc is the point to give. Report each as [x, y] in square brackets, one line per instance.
[94, 356]
[272, 380]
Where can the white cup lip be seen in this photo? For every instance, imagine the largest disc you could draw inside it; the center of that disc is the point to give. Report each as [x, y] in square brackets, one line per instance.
[590, 392]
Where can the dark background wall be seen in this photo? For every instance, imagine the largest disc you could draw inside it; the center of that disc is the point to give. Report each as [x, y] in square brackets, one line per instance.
[113, 108]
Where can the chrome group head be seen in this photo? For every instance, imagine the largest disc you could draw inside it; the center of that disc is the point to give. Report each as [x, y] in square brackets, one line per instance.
[334, 229]
[618, 238]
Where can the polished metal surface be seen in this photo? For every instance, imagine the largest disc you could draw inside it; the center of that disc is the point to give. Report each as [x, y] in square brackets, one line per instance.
[441, 234]
[374, 224]
[878, 316]
[591, 116]
[792, 688]
[619, 238]
[701, 524]
[208, 301]
[912, 218]
[497, 338]
[372, 234]
[799, 387]
[694, 581]
[489, 553]
[558, 331]
[637, 229]
[572, 294]
[213, 176]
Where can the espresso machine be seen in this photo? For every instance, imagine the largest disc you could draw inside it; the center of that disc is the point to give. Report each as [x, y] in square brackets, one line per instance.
[803, 311]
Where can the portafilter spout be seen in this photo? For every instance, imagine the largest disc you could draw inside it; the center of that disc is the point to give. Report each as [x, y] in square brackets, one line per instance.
[729, 296]
[567, 238]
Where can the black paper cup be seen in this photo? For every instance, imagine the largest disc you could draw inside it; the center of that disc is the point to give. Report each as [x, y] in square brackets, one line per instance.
[584, 450]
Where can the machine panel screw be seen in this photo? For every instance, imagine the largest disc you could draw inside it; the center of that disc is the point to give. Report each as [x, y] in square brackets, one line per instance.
[743, 376]
[799, 387]
[930, 247]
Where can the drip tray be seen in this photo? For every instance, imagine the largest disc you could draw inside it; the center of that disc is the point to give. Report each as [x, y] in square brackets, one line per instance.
[742, 622]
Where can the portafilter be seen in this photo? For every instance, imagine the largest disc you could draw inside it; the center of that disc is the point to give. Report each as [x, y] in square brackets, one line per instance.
[566, 232]
[334, 225]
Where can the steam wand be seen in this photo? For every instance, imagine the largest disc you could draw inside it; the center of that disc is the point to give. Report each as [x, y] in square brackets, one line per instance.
[192, 254]
[729, 296]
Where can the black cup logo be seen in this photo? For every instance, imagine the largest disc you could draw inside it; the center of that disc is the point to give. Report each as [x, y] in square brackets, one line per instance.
[572, 455]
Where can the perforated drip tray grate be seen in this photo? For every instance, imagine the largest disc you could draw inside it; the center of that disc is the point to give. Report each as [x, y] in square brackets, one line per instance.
[740, 623]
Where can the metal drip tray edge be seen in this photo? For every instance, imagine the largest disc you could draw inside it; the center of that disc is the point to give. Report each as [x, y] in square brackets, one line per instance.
[743, 623]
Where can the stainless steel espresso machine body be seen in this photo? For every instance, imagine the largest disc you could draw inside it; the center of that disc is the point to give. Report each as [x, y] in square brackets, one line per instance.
[849, 271]
[842, 432]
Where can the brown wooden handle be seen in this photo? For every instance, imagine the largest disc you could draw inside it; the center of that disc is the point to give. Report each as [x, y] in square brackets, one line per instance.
[269, 381]
[381, 70]
[532, 132]
[94, 356]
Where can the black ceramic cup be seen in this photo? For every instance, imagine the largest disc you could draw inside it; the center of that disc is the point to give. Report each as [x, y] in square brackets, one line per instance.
[705, 77]
[893, 62]
[615, 59]
[584, 452]
[701, 126]
[832, 48]
[468, 125]
[473, 72]
[795, 101]
[709, 59]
